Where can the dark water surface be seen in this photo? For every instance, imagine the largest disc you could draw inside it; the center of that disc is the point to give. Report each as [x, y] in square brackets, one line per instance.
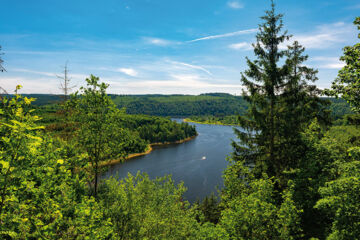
[199, 163]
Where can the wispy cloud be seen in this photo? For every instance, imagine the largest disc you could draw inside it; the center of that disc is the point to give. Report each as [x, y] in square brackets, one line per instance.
[241, 32]
[326, 36]
[49, 74]
[75, 76]
[235, 4]
[158, 41]
[245, 46]
[32, 52]
[191, 66]
[327, 62]
[332, 66]
[128, 71]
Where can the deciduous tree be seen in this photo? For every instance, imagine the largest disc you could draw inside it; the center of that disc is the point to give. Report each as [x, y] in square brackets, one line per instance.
[98, 134]
[347, 83]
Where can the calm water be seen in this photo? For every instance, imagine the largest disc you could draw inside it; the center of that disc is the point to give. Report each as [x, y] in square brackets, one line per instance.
[199, 163]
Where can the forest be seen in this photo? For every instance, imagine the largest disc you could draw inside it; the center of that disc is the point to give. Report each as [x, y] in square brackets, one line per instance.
[218, 105]
[294, 173]
[140, 130]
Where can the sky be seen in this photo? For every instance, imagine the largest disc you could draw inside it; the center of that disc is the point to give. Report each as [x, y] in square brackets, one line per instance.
[160, 46]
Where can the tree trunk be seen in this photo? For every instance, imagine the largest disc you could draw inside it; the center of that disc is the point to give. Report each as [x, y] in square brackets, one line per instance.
[96, 179]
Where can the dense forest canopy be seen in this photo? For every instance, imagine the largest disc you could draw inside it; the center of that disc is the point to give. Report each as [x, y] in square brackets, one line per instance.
[209, 104]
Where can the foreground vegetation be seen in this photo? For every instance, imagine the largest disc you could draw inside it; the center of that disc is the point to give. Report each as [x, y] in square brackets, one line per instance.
[292, 174]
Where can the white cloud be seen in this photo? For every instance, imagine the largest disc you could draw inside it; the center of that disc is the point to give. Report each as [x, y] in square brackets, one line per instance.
[31, 85]
[235, 5]
[241, 32]
[326, 36]
[128, 71]
[241, 46]
[185, 83]
[158, 41]
[333, 66]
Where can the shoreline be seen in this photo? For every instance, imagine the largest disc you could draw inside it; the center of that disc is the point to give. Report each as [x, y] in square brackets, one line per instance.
[207, 123]
[148, 150]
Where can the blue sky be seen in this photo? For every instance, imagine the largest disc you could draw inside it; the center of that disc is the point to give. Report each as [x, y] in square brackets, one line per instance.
[160, 46]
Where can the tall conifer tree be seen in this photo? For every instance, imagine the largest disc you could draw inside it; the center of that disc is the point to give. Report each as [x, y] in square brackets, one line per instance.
[299, 104]
[281, 101]
[258, 142]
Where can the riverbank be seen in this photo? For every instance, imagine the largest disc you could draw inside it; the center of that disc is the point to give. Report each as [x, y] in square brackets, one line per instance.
[209, 123]
[148, 150]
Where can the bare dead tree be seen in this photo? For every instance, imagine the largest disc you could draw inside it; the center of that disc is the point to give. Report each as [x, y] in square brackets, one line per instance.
[3, 92]
[65, 82]
[2, 69]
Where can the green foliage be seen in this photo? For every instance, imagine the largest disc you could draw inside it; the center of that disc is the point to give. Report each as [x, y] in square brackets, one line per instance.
[251, 209]
[210, 209]
[257, 143]
[96, 115]
[182, 105]
[45, 196]
[341, 198]
[221, 120]
[338, 107]
[39, 196]
[220, 107]
[143, 209]
[347, 84]
[157, 129]
[314, 170]
[281, 103]
[140, 129]
[325, 152]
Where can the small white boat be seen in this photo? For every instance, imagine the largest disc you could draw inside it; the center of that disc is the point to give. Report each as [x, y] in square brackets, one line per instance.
[203, 158]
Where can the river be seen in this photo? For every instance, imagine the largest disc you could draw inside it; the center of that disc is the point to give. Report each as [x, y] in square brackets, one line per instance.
[199, 163]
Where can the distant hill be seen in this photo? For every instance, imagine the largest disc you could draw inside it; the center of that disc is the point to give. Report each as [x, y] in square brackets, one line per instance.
[177, 105]
[217, 104]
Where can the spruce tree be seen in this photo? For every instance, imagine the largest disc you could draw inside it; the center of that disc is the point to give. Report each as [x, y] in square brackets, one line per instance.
[299, 104]
[281, 102]
[258, 143]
